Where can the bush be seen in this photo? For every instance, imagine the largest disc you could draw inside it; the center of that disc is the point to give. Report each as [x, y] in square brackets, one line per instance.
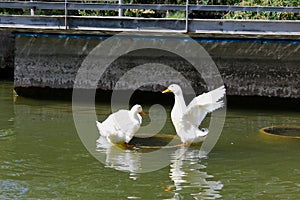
[265, 15]
[180, 14]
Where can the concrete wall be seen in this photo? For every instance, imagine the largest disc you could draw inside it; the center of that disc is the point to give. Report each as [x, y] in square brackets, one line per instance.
[262, 69]
[7, 47]
[248, 68]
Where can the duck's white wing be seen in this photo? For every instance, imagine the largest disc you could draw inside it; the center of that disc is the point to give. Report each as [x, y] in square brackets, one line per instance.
[122, 120]
[107, 126]
[114, 122]
[203, 104]
[126, 125]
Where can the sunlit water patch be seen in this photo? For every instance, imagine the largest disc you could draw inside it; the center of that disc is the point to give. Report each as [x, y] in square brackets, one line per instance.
[12, 189]
[6, 132]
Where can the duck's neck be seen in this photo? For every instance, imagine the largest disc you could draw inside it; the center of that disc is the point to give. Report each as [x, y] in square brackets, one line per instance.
[134, 115]
[179, 103]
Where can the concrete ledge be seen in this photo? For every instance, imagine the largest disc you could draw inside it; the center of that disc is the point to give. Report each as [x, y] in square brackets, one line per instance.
[250, 28]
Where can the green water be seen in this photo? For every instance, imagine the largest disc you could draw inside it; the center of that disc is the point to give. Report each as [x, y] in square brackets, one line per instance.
[42, 157]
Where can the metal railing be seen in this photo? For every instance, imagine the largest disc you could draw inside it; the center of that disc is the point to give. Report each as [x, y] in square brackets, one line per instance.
[117, 5]
[70, 5]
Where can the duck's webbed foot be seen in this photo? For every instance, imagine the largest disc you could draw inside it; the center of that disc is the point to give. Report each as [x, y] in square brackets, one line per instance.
[186, 144]
[129, 146]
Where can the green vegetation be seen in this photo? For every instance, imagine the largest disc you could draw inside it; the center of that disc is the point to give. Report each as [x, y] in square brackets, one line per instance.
[10, 11]
[180, 14]
[265, 15]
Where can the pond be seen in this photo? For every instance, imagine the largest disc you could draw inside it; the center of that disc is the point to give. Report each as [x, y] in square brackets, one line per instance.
[42, 157]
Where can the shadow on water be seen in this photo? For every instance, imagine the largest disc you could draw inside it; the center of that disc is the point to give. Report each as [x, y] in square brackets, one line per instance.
[102, 96]
[267, 103]
[146, 97]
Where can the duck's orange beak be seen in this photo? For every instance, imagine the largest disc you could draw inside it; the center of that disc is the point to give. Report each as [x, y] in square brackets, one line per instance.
[166, 90]
[143, 113]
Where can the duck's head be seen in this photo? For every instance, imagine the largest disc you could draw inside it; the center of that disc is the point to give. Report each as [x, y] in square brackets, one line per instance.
[138, 109]
[173, 88]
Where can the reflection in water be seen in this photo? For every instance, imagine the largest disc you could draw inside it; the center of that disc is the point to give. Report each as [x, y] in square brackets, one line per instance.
[187, 174]
[186, 171]
[6, 133]
[119, 159]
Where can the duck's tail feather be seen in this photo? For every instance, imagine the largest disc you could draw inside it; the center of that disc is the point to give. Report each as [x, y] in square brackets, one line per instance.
[99, 126]
[202, 133]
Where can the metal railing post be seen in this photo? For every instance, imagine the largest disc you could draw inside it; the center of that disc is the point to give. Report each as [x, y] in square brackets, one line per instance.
[120, 9]
[66, 13]
[187, 16]
[31, 10]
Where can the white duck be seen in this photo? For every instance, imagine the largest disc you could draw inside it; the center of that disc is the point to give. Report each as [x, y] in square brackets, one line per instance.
[120, 127]
[187, 119]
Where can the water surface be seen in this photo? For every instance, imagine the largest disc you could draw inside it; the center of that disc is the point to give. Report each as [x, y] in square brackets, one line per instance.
[42, 157]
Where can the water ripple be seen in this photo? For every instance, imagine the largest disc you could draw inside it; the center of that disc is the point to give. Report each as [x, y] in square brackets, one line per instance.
[6, 133]
[12, 189]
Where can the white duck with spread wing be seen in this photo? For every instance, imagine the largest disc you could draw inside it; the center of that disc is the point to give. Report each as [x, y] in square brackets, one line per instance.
[187, 119]
[121, 126]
